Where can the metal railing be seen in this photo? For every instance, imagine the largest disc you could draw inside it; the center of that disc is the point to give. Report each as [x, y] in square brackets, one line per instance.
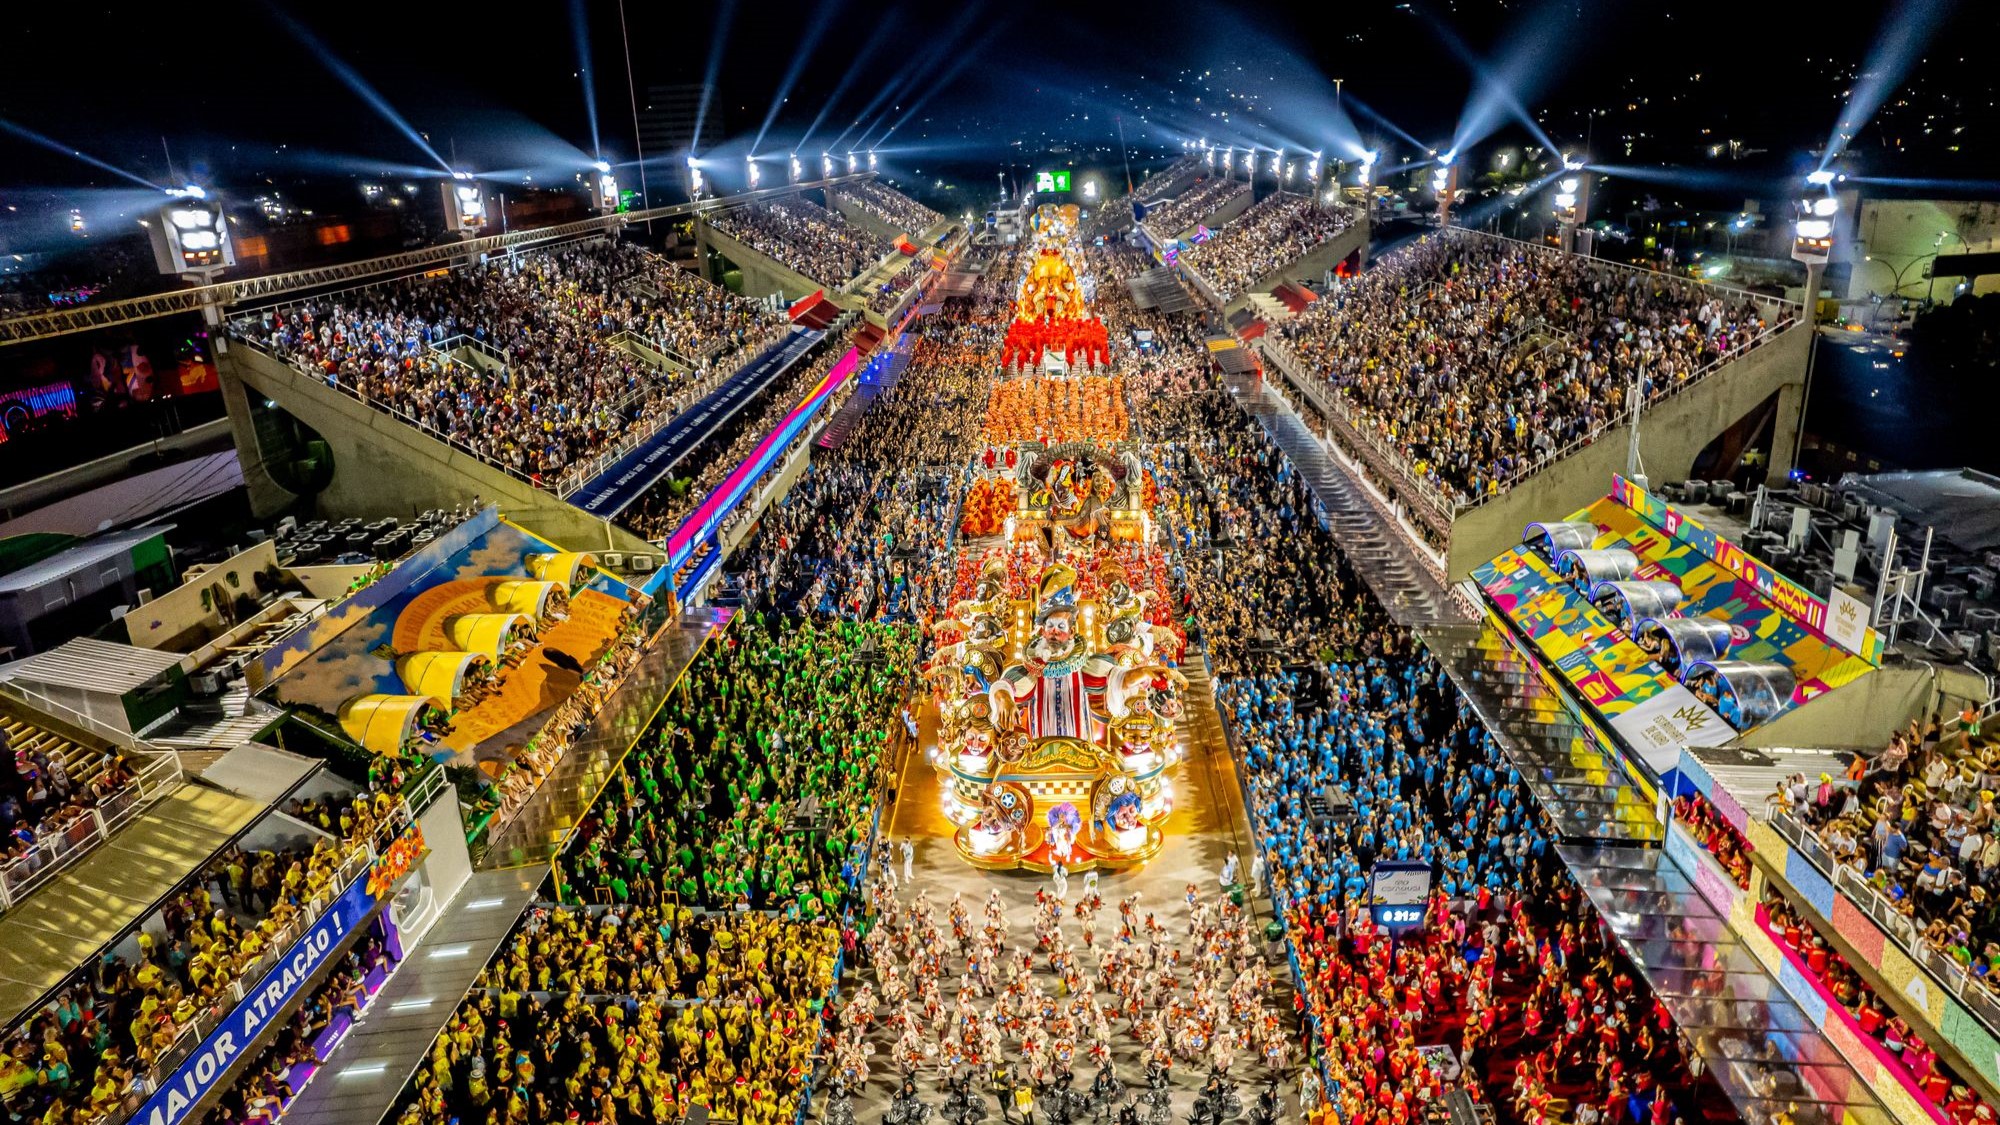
[474, 343]
[83, 318]
[1902, 929]
[56, 852]
[333, 382]
[575, 478]
[354, 864]
[1427, 503]
[1624, 418]
[1780, 316]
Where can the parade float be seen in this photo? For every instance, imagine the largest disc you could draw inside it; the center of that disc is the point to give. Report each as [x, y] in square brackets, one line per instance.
[1054, 675]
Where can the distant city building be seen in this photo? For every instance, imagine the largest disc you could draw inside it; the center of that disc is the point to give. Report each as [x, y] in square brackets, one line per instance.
[1925, 249]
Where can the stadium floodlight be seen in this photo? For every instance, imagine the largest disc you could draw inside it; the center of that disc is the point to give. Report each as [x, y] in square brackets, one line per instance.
[464, 205]
[1229, 160]
[1208, 155]
[191, 191]
[607, 188]
[694, 177]
[795, 168]
[871, 160]
[750, 162]
[1278, 164]
[826, 165]
[1090, 189]
[190, 237]
[1572, 163]
[853, 162]
[1812, 246]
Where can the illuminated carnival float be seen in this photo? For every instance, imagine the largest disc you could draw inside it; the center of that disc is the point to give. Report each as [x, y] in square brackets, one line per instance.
[1055, 673]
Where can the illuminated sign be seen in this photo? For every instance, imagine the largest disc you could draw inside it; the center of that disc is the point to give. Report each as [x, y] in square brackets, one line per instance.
[1398, 890]
[1052, 181]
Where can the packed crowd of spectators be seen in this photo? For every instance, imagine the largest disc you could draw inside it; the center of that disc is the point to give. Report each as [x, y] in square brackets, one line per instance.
[1919, 821]
[94, 1050]
[1158, 180]
[1335, 704]
[657, 513]
[690, 319]
[548, 390]
[804, 237]
[41, 805]
[863, 534]
[1197, 203]
[1475, 359]
[565, 1058]
[755, 783]
[1716, 836]
[1280, 229]
[892, 207]
[1917, 1059]
[264, 1090]
[891, 291]
[664, 951]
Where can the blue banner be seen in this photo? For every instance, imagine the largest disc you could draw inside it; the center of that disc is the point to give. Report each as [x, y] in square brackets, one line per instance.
[199, 1073]
[613, 490]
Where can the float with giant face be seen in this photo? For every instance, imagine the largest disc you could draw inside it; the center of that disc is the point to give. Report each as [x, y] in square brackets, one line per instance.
[1058, 721]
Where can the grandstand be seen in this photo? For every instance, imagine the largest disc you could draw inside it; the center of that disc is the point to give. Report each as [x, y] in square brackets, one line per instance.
[1722, 371]
[1210, 202]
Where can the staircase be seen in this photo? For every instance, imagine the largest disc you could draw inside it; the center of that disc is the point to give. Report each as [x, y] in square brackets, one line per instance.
[1585, 790]
[881, 375]
[1404, 583]
[1269, 309]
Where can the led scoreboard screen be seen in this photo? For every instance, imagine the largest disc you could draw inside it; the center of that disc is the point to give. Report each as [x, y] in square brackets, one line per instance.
[1057, 181]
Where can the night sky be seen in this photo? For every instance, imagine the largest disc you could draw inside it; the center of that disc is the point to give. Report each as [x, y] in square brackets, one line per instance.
[249, 94]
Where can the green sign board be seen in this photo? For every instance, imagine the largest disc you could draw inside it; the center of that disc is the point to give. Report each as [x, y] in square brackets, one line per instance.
[1052, 181]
